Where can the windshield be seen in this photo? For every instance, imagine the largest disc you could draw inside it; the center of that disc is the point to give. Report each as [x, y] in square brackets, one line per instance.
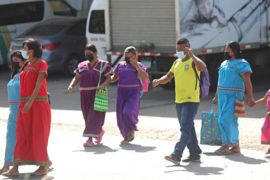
[62, 8]
[45, 30]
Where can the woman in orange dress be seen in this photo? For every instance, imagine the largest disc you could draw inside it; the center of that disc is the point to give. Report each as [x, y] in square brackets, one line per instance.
[34, 117]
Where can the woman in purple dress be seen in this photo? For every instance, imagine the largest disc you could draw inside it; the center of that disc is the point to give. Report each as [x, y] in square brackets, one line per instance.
[128, 93]
[87, 74]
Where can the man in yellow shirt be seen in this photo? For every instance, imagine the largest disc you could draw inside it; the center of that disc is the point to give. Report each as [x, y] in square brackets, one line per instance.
[187, 99]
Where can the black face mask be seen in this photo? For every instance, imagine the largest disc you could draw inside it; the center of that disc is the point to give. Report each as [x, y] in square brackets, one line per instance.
[127, 60]
[15, 66]
[89, 57]
[227, 55]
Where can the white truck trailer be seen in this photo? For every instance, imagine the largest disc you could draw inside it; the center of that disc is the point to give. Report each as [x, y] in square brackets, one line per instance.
[154, 26]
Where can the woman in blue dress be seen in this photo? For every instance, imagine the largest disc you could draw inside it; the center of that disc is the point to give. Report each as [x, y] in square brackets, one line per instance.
[234, 81]
[17, 61]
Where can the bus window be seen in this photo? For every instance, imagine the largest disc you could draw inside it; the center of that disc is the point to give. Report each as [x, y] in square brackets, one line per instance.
[62, 8]
[21, 13]
[97, 22]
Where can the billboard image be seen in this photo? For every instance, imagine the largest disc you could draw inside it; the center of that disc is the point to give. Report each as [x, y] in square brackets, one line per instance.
[211, 23]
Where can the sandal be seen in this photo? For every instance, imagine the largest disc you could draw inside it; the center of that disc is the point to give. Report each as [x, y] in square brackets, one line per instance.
[88, 143]
[99, 138]
[4, 169]
[125, 141]
[12, 173]
[223, 151]
[235, 149]
[41, 172]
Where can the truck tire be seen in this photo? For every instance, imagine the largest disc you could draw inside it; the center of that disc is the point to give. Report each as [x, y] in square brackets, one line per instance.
[71, 64]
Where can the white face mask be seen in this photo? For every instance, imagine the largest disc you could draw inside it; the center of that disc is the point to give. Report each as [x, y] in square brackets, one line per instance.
[24, 54]
[180, 54]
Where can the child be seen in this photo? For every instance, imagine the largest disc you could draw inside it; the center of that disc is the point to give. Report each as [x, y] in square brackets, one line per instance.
[265, 138]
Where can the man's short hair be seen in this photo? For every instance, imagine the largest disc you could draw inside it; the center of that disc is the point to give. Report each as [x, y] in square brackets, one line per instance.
[182, 41]
[131, 49]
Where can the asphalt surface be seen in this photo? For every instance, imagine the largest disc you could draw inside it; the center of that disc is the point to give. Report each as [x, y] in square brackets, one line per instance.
[144, 157]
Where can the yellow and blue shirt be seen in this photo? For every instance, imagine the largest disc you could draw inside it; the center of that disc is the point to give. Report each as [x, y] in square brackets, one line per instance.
[185, 81]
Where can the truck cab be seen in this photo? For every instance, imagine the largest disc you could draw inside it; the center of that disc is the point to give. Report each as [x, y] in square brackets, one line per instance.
[95, 27]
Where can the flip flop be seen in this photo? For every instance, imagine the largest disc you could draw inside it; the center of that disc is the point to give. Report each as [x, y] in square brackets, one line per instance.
[99, 138]
[88, 143]
[40, 172]
[235, 150]
[223, 151]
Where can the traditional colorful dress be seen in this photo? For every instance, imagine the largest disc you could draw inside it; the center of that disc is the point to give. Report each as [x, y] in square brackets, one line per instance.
[33, 127]
[14, 103]
[265, 138]
[230, 86]
[89, 77]
[127, 97]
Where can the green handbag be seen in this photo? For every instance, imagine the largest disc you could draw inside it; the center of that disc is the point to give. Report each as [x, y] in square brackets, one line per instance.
[101, 98]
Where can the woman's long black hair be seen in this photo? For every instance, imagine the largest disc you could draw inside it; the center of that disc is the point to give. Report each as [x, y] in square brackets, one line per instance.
[235, 47]
[14, 69]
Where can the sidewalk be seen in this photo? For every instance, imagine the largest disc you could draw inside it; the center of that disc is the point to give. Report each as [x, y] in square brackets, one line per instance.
[142, 159]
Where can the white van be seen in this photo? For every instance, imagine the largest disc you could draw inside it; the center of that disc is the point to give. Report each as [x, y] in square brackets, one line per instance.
[95, 27]
[16, 16]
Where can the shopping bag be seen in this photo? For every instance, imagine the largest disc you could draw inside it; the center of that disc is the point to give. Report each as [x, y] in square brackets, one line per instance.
[101, 98]
[239, 109]
[210, 132]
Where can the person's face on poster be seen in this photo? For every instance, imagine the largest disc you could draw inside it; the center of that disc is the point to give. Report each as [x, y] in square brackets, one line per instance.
[206, 8]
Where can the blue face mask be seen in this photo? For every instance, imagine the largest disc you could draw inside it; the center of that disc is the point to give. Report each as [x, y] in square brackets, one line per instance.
[24, 55]
[180, 54]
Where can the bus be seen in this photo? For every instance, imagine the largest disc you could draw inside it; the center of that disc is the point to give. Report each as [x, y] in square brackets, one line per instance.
[16, 16]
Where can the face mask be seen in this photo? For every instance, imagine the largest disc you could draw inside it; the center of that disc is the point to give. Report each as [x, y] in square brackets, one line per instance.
[15, 66]
[127, 60]
[89, 57]
[24, 55]
[180, 54]
[227, 55]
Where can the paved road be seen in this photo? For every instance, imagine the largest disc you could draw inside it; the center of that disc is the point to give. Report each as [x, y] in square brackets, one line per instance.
[142, 159]
[158, 102]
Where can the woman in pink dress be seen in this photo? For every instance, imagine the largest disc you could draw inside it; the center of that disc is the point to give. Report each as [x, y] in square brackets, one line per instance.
[265, 138]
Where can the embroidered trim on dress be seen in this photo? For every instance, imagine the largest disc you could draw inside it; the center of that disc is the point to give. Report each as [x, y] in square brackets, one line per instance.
[14, 102]
[136, 85]
[30, 68]
[7, 164]
[36, 63]
[38, 98]
[87, 88]
[230, 145]
[245, 72]
[22, 162]
[43, 72]
[127, 68]
[90, 135]
[234, 89]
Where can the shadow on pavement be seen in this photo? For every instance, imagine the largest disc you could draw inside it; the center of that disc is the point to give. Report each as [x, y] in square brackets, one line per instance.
[28, 176]
[239, 158]
[97, 149]
[245, 159]
[137, 147]
[197, 169]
